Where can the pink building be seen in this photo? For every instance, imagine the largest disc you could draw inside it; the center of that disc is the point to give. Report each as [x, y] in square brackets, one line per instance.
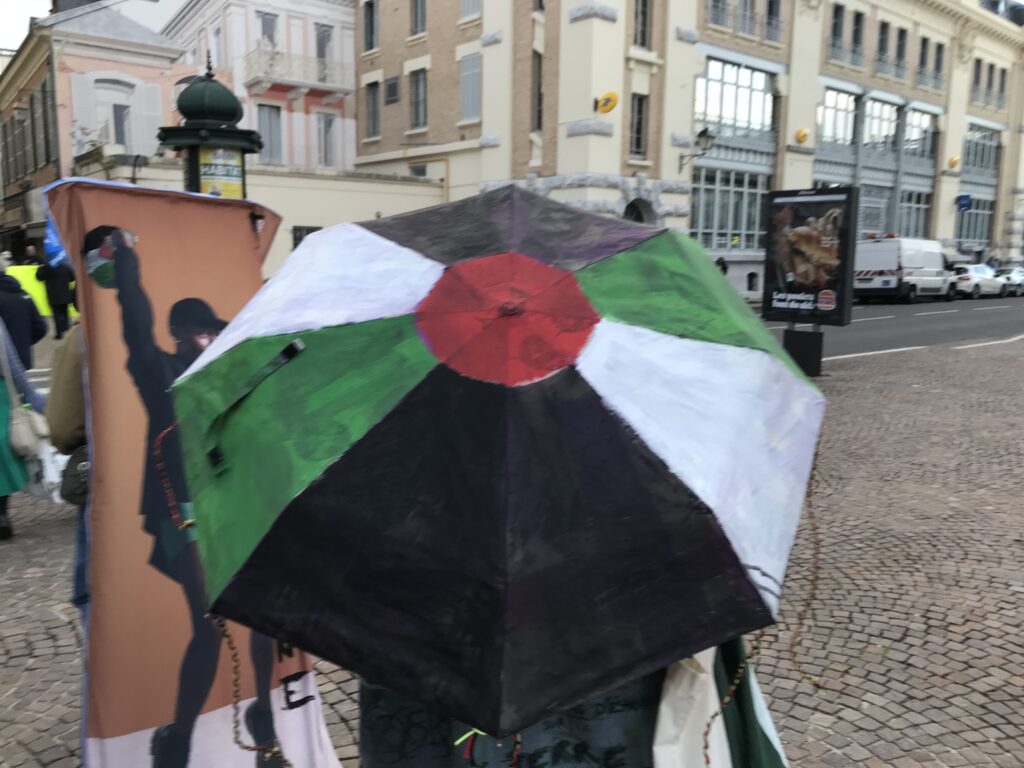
[82, 78]
[290, 62]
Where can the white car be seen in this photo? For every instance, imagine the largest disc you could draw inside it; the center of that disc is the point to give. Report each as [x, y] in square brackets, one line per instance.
[976, 280]
[1014, 279]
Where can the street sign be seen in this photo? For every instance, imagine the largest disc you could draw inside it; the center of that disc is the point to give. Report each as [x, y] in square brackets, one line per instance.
[809, 264]
[963, 203]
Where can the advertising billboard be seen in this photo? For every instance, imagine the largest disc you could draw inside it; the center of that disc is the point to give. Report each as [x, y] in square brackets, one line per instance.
[809, 255]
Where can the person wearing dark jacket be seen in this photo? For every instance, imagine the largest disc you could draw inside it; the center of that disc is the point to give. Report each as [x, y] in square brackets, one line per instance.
[24, 323]
[58, 281]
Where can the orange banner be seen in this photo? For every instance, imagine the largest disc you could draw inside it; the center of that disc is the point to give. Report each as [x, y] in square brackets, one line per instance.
[159, 678]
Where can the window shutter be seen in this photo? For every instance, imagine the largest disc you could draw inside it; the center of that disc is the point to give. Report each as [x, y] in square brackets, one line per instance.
[147, 114]
[83, 111]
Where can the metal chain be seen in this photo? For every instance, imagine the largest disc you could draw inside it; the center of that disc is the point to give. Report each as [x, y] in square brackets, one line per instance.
[268, 753]
[812, 592]
[730, 694]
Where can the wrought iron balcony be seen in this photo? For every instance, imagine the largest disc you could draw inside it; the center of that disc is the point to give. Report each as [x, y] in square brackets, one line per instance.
[268, 67]
[746, 21]
[853, 55]
[884, 65]
[773, 29]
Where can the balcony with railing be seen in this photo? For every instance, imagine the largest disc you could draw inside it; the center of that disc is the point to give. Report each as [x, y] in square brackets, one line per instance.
[926, 78]
[268, 67]
[884, 65]
[852, 55]
[986, 97]
[742, 20]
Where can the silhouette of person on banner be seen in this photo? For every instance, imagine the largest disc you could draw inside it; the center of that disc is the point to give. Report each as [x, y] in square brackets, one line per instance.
[112, 261]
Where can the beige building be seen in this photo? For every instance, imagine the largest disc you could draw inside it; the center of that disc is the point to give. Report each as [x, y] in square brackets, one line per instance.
[917, 102]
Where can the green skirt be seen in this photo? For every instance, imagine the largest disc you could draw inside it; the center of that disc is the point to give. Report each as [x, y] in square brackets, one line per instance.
[12, 469]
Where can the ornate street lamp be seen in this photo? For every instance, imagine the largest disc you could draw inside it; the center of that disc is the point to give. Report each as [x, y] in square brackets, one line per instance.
[214, 145]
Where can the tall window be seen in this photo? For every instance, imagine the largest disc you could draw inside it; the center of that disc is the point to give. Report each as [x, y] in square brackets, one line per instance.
[370, 31]
[922, 55]
[974, 227]
[990, 86]
[638, 127]
[734, 100]
[217, 47]
[113, 100]
[418, 23]
[727, 209]
[537, 93]
[920, 134]
[324, 50]
[6, 153]
[880, 123]
[268, 29]
[837, 117]
[883, 41]
[469, 9]
[326, 140]
[1001, 97]
[773, 21]
[838, 13]
[470, 87]
[418, 99]
[940, 63]
[38, 127]
[269, 118]
[981, 149]
[857, 48]
[901, 52]
[372, 110]
[301, 233]
[642, 22]
[976, 79]
[914, 208]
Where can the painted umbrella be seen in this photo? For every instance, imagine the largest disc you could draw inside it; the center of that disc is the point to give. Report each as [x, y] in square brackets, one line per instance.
[499, 455]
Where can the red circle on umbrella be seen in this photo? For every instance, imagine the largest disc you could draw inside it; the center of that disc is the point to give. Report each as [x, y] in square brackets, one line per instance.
[506, 319]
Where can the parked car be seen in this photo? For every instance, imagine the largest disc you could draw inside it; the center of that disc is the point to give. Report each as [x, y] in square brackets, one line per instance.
[901, 269]
[976, 280]
[1014, 279]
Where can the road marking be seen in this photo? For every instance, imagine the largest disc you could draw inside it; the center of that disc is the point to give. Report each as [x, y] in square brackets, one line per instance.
[937, 312]
[983, 309]
[878, 352]
[989, 343]
[865, 319]
[781, 327]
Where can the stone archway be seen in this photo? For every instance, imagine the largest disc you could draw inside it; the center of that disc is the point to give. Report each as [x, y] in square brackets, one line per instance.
[641, 211]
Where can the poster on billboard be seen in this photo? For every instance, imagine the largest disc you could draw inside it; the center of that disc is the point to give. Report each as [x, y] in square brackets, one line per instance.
[809, 256]
[220, 172]
[160, 681]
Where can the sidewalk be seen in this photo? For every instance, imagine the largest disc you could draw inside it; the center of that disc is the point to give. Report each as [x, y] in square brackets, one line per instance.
[915, 633]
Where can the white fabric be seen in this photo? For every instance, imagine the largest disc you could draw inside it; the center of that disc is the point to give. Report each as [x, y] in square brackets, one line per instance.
[345, 274]
[689, 697]
[734, 424]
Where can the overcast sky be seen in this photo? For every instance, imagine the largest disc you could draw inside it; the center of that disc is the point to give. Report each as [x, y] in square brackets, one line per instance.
[14, 15]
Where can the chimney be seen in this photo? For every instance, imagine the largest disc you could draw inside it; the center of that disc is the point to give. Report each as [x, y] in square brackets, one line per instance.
[66, 5]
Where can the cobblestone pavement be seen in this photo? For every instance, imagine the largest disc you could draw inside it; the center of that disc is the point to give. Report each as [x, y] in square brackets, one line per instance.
[910, 655]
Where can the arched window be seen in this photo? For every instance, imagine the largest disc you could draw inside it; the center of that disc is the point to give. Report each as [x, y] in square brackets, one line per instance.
[751, 281]
[113, 100]
[641, 211]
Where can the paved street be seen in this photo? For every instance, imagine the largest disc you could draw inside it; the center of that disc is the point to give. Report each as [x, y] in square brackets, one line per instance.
[914, 635]
[926, 323]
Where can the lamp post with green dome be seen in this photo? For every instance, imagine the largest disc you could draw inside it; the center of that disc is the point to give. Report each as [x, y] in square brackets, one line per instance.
[214, 145]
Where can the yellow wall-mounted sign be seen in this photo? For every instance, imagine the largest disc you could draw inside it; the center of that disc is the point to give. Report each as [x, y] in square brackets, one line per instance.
[606, 102]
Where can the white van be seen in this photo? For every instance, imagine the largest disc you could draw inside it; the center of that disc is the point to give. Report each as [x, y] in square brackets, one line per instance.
[901, 268]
